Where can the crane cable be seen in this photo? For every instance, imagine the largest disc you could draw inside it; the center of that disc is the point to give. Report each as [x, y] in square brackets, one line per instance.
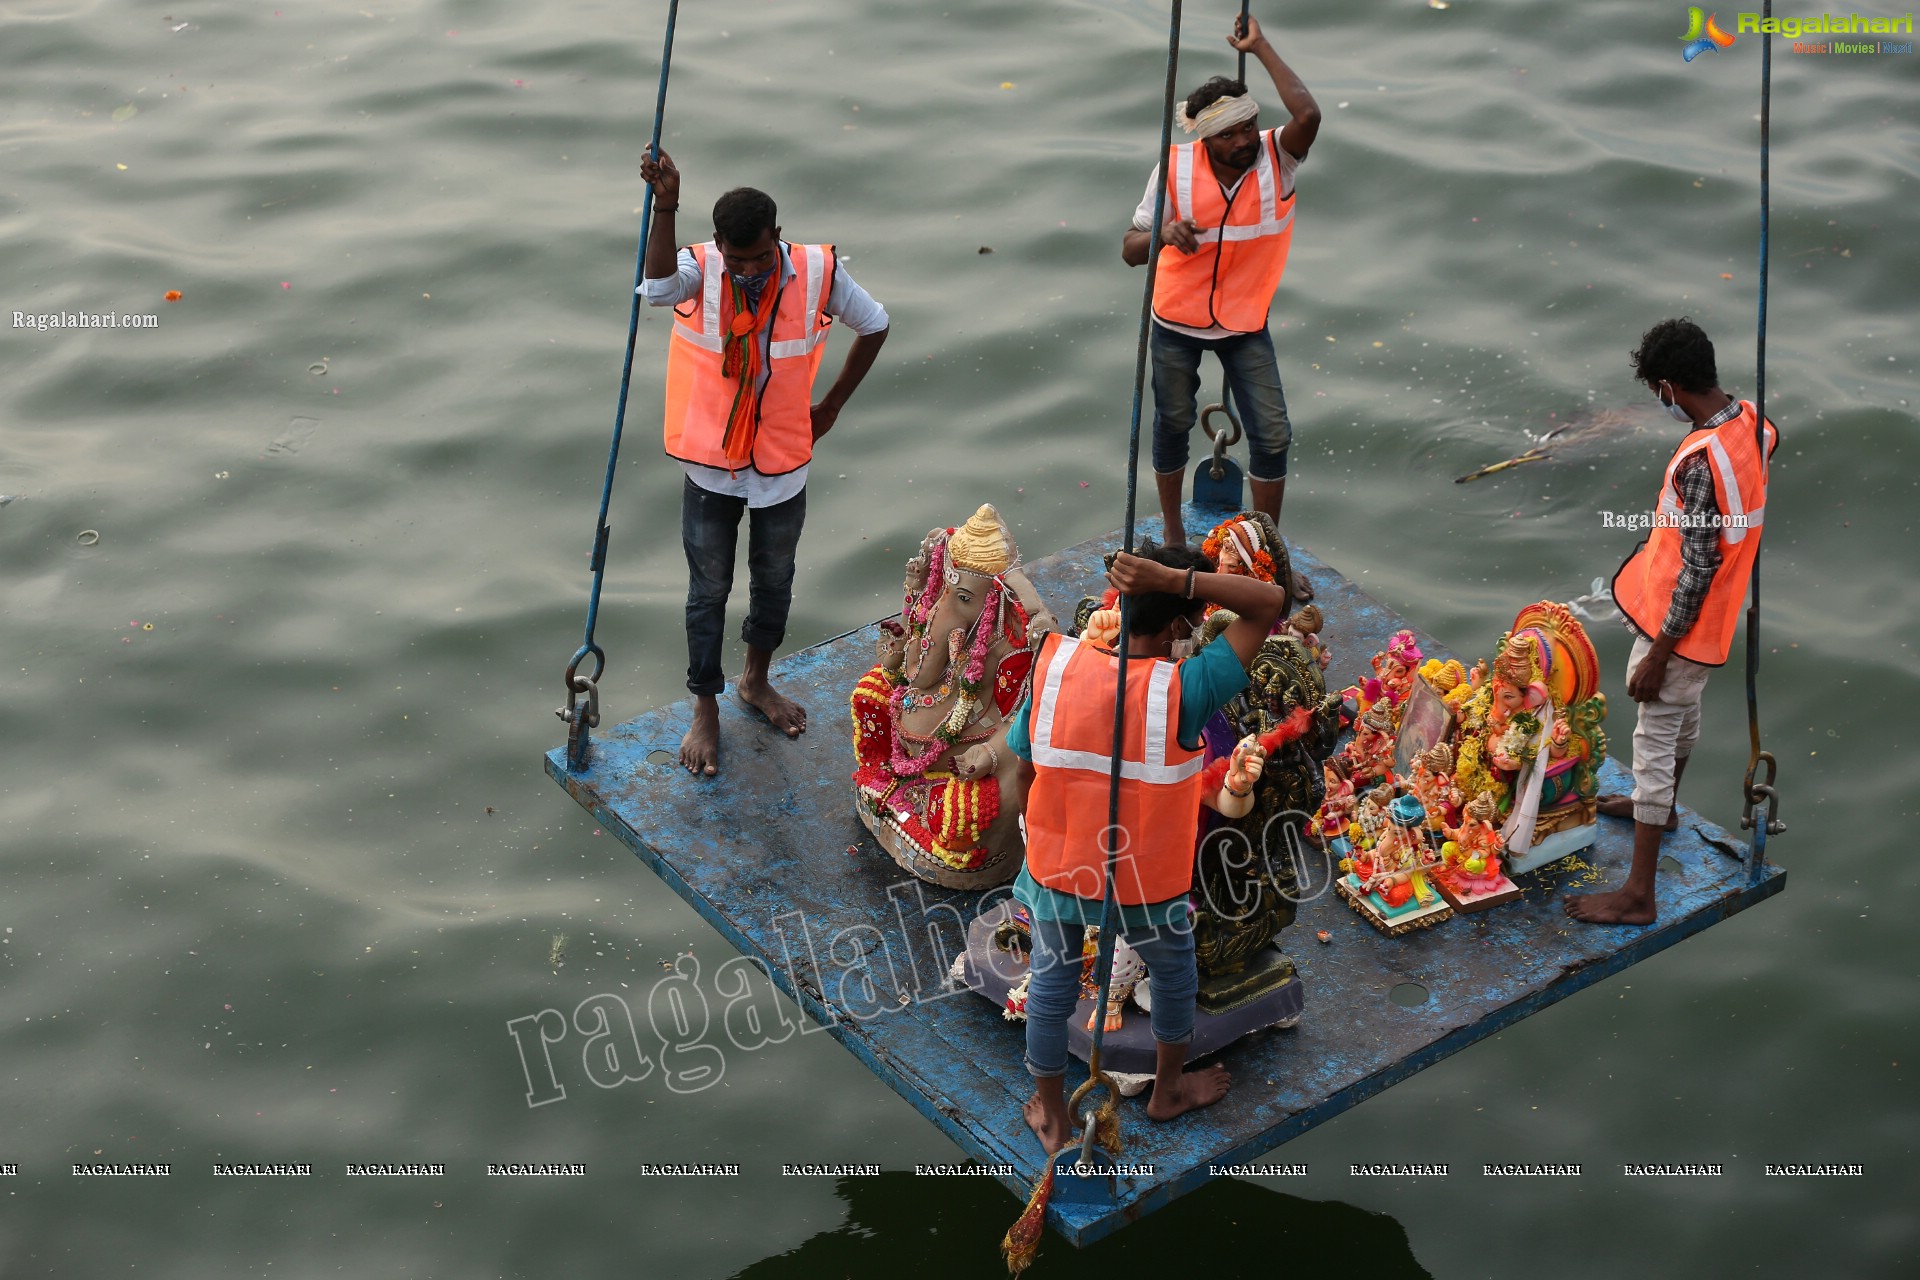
[1764, 793]
[580, 720]
[1102, 1123]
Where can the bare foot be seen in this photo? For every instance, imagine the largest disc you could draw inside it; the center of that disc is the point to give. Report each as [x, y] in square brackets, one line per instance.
[1054, 1131]
[782, 712]
[700, 749]
[1201, 1088]
[1618, 907]
[1611, 806]
[1299, 587]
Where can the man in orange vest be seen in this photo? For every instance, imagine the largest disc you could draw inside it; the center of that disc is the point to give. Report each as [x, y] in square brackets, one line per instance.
[751, 314]
[1681, 592]
[1229, 224]
[1064, 735]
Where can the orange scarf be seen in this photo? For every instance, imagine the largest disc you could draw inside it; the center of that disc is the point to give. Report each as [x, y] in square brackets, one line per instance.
[742, 358]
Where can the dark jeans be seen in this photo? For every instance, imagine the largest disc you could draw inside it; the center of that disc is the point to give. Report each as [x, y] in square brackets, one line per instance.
[1054, 990]
[1253, 383]
[710, 528]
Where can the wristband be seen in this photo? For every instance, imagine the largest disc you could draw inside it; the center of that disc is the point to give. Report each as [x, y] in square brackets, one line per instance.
[666, 208]
[1238, 795]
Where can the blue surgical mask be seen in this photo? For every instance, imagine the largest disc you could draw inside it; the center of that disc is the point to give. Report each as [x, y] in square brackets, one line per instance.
[1673, 409]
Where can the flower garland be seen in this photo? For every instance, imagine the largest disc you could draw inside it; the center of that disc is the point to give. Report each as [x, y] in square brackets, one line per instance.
[972, 675]
[1517, 741]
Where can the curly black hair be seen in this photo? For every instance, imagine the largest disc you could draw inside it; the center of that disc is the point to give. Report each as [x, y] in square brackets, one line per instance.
[1676, 351]
[742, 214]
[1156, 609]
[1211, 92]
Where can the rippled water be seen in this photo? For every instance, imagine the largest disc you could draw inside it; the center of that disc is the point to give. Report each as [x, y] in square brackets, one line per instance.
[281, 861]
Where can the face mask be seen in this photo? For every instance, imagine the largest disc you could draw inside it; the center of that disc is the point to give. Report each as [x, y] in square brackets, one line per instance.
[755, 282]
[1183, 648]
[1674, 410]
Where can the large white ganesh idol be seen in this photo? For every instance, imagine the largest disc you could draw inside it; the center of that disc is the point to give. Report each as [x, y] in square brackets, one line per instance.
[934, 781]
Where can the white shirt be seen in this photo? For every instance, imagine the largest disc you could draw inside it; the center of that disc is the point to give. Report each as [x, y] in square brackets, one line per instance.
[846, 302]
[1143, 221]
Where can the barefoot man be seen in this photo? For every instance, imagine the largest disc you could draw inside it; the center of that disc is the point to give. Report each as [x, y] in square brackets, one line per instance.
[1681, 592]
[1064, 736]
[1229, 213]
[751, 314]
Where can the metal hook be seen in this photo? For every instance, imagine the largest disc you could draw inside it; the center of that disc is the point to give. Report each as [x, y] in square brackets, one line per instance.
[1756, 792]
[578, 720]
[1222, 440]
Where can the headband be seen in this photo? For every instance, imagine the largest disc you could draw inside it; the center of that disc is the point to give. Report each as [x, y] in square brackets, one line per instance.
[1218, 116]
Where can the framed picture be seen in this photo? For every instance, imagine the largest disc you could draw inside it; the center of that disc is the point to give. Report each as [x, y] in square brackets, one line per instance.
[1424, 720]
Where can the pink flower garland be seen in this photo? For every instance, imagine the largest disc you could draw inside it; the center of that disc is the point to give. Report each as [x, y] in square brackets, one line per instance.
[922, 610]
[985, 627]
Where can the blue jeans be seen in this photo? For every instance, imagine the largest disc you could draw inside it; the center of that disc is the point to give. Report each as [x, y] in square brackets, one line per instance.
[710, 528]
[1055, 987]
[1253, 384]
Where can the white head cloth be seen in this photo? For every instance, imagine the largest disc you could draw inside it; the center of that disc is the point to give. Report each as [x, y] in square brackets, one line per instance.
[1217, 116]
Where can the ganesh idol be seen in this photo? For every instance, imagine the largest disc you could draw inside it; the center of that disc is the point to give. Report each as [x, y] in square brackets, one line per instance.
[935, 782]
[1530, 736]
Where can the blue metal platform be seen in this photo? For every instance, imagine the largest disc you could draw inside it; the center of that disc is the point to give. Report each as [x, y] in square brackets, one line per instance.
[765, 847]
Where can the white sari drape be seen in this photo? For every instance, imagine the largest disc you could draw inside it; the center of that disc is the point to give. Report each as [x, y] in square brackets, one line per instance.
[1517, 834]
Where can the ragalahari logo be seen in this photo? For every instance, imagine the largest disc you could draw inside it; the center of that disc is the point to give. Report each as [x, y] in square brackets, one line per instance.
[1703, 33]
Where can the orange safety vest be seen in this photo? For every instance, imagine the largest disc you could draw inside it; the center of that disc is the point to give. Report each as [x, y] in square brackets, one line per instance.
[1071, 725]
[1643, 588]
[700, 396]
[1231, 278]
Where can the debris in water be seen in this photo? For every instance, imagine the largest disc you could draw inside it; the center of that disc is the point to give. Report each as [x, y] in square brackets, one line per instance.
[1532, 455]
[1597, 605]
[557, 953]
[297, 434]
[1581, 429]
[173, 295]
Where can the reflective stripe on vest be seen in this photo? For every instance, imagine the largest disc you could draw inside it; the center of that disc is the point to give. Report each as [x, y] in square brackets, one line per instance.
[1645, 583]
[1231, 278]
[1071, 727]
[700, 396]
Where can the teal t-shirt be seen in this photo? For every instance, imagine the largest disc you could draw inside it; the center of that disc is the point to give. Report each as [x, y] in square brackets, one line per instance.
[1208, 682]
